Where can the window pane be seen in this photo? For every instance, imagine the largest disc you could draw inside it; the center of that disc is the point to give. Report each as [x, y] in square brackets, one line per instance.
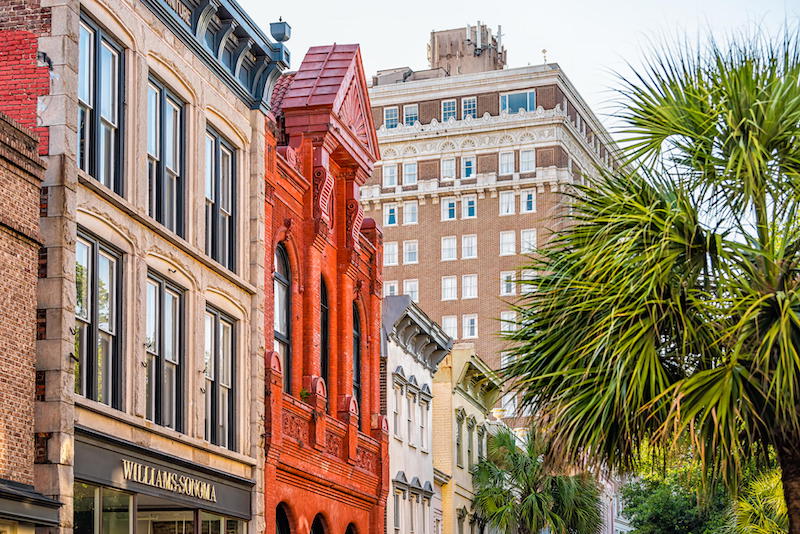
[82, 279]
[84, 505]
[151, 328]
[226, 170]
[172, 131]
[85, 64]
[109, 61]
[104, 363]
[209, 169]
[209, 345]
[171, 325]
[153, 120]
[107, 141]
[226, 352]
[106, 291]
[281, 315]
[116, 512]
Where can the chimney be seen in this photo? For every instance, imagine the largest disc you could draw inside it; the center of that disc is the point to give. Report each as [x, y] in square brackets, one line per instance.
[478, 33]
[469, 33]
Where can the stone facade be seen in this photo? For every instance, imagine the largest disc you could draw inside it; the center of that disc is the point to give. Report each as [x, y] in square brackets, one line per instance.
[326, 440]
[21, 172]
[413, 346]
[464, 391]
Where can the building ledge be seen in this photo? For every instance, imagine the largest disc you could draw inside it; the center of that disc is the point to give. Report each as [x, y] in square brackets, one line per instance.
[21, 502]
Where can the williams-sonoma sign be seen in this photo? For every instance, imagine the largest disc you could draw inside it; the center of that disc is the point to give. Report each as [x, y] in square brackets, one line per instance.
[169, 481]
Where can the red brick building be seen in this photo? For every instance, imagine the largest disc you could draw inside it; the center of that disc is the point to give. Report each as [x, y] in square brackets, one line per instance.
[326, 442]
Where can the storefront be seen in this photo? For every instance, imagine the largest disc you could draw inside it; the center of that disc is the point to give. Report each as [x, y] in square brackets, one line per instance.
[123, 488]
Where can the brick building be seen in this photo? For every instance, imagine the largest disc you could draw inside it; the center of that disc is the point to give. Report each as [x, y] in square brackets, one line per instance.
[326, 442]
[472, 176]
[21, 507]
[152, 117]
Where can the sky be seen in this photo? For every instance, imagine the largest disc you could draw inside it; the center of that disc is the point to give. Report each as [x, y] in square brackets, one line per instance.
[589, 39]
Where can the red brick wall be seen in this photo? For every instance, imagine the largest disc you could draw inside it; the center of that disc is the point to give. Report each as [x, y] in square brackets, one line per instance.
[20, 174]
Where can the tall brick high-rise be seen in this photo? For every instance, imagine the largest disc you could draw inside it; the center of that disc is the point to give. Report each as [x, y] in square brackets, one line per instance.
[472, 179]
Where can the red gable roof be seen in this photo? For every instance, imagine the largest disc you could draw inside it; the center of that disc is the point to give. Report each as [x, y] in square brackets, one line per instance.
[281, 87]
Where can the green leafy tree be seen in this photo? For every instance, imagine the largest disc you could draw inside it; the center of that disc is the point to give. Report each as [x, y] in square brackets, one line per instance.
[517, 493]
[761, 509]
[669, 310]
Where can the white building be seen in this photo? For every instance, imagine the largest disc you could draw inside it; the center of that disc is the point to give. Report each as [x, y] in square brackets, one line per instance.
[413, 346]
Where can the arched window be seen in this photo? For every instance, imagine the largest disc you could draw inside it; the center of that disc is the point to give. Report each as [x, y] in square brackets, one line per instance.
[357, 356]
[283, 308]
[323, 327]
[318, 526]
[282, 521]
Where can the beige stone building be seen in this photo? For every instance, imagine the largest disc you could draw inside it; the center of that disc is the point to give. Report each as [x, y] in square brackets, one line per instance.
[472, 180]
[464, 391]
[150, 392]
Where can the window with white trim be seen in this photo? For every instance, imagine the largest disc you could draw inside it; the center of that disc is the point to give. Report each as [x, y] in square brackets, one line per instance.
[390, 288]
[469, 207]
[423, 425]
[469, 246]
[508, 321]
[469, 286]
[468, 167]
[411, 288]
[506, 163]
[390, 175]
[391, 117]
[527, 201]
[397, 410]
[389, 214]
[450, 325]
[527, 241]
[469, 107]
[410, 212]
[410, 252]
[526, 278]
[409, 173]
[507, 283]
[449, 212]
[449, 288]
[448, 110]
[469, 325]
[508, 243]
[397, 511]
[508, 202]
[448, 168]
[410, 114]
[410, 413]
[390, 253]
[449, 251]
[527, 161]
[522, 100]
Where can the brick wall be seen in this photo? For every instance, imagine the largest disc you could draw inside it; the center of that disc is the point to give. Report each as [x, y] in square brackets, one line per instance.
[20, 173]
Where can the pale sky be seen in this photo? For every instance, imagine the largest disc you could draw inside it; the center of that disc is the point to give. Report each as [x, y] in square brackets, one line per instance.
[588, 38]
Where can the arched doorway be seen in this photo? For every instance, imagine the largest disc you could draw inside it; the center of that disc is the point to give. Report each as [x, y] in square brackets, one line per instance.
[282, 521]
[351, 529]
[318, 526]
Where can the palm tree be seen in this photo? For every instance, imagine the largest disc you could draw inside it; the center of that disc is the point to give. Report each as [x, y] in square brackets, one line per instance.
[762, 509]
[516, 493]
[668, 311]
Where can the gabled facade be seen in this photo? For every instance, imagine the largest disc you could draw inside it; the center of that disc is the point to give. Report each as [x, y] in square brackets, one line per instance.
[326, 442]
[413, 346]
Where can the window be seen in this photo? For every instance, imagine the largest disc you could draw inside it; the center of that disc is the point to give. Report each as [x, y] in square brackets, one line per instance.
[100, 93]
[97, 361]
[397, 408]
[220, 192]
[410, 419]
[468, 166]
[460, 442]
[509, 401]
[526, 281]
[282, 290]
[389, 214]
[448, 209]
[397, 511]
[324, 330]
[412, 503]
[508, 320]
[409, 174]
[410, 252]
[390, 288]
[469, 107]
[469, 246]
[357, 356]
[410, 114]
[481, 434]
[410, 212]
[469, 326]
[507, 285]
[390, 117]
[390, 175]
[527, 201]
[513, 102]
[469, 286]
[507, 202]
[448, 110]
[449, 251]
[220, 372]
[508, 243]
[164, 344]
[469, 207]
[506, 163]
[165, 156]
[450, 326]
[527, 240]
[470, 436]
[449, 288]
[390, 253]
[411, 288]
[527, 161]
[448, 168]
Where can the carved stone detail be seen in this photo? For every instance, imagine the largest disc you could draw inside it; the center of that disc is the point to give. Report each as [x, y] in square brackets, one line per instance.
[355, 217]
[366, 460]
[295, 426]
[334, 444]
[323, 192]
